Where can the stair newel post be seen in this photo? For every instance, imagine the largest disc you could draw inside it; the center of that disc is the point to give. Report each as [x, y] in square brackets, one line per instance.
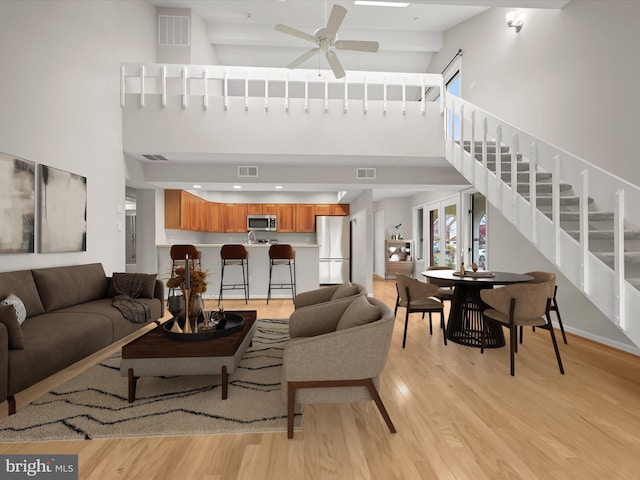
[514, 178]
[452, 113]
[472, 150]
[461, 137]
[618, 258]
[499, 166]
[584, 230]
[484, 155]
[555, 207]
[533, 198]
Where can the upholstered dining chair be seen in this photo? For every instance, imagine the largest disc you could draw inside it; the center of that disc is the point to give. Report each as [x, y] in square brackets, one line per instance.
[524, 304]
[445, 287]
[540, 277]
[418, 297]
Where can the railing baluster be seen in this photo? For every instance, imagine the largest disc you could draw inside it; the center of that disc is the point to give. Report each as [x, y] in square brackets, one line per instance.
[142, 86]
[472, 147]
[533, 183]
[205, 79]
[366, 95]
[184, 87]
[555, 208]
[404, 98]
[246, 92]
[423, 107]
[584, 231]
[266, 93]
[346, 96]
[618, 254]
[306, 95]
[326, 96]
[286, 94]
[514, 177]
[499, 165]
[122, 86]
[226, 90]
[461, 135]
[384, 97]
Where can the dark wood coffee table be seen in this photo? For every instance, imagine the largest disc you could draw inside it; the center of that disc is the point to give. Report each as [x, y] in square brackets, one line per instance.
[154, 354]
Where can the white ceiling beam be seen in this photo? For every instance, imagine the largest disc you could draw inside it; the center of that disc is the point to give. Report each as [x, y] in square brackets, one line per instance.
[267, 36]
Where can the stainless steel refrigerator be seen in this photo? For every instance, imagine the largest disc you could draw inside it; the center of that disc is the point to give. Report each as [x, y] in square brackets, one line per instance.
[334, 239]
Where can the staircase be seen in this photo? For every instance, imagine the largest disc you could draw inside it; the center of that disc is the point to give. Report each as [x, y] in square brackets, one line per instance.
[571, 211]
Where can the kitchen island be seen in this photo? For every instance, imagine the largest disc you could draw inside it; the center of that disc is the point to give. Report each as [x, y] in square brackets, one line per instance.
[307, 273]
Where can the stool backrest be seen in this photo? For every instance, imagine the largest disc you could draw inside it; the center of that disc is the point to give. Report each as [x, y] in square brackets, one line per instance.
[180, 252]
[233, 251]
[281, 251]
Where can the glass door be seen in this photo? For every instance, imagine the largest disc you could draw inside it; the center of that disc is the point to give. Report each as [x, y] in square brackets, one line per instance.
[443, 233]
[479, 230]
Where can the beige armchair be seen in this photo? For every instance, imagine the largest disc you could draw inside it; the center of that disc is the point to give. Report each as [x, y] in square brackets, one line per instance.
[336, 353]
[329, 293]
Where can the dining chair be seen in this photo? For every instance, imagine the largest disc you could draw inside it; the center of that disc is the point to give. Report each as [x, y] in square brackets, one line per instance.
[417, 297]
[541, 277]
[523, 304]
[445, 287]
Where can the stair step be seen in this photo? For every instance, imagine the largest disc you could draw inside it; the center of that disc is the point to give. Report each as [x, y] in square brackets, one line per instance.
[523, 177]
[605, 234]
[491, 146]
[564, 201]
[575, 216]
[608, 258]
[506, 166]
[635, 281]
[505, 157]
[543, 187]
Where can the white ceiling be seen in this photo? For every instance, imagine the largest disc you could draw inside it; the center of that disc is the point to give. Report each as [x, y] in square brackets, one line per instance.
[243, 32]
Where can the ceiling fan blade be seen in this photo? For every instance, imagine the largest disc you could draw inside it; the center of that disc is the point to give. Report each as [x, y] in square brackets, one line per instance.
[358, 45]
[303, 58]
[335, 20]
[332, 58]
[295, 32]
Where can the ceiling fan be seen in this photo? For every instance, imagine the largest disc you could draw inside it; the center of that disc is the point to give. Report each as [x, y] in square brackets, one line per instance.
[327, 41]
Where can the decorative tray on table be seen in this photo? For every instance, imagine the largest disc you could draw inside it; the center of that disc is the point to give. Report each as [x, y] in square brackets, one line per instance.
[475, 274]
[234, 323]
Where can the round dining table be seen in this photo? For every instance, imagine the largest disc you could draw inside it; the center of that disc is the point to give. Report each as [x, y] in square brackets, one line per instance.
[465, 316]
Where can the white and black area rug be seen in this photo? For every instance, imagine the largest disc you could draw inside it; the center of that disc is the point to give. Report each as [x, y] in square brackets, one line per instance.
[94, 404]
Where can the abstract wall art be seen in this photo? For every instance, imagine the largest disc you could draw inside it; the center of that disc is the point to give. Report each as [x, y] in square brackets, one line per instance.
[17, 204]
[63, 211]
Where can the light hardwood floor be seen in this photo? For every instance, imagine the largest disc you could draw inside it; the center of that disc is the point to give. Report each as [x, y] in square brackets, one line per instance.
[459, 415]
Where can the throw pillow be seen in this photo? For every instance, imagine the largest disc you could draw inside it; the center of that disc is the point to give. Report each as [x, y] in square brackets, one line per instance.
[344, 290]
[9, 318]
[21, 311]
[359, 312]
[134, 285]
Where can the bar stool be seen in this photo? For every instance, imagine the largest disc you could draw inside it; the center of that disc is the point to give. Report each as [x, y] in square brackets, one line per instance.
[235, 254]
[179, 254]
[282, 254]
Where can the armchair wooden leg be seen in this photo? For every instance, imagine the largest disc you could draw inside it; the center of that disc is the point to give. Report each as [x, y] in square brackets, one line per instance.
[383, 411]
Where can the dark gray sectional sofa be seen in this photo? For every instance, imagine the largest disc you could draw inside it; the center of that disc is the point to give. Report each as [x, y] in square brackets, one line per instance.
[69, 316]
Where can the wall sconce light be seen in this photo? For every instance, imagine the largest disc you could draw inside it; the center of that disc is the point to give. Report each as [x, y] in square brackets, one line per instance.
[514, 22]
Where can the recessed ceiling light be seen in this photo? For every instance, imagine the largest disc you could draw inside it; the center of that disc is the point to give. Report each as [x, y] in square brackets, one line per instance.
[197, 186]
[237, 187]
[278, 187]
[372, 3]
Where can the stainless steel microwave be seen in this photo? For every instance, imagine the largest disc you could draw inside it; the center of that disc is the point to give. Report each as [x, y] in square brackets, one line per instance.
[262, 223]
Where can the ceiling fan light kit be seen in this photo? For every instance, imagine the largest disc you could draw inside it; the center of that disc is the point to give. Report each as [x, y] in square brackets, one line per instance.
[327, 42]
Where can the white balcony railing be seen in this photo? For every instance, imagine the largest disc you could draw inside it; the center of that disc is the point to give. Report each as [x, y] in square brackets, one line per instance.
[201, 82]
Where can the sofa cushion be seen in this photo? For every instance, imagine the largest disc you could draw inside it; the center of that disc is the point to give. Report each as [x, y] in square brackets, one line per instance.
[22, 285]
[359, 312]
[344, 290]
[134, 285]
[10, 320]
[61, 287]
[18, 307]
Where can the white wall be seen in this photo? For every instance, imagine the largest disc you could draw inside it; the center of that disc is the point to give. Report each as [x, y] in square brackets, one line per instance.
[569, 77]
[59, 92]
[396, 211]
[361, 212]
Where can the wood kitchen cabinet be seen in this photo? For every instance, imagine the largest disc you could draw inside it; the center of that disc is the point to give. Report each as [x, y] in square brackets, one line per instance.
[184, 211]
[269, 209]
[332, 209]
[254, 209]
[286, 217]
[305, 218]
[215, 219]
[235, 217]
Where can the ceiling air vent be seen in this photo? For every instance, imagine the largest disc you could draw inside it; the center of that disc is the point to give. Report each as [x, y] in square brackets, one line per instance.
[155, 158]
[365, 173]
[247, 171]
[174, 30]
